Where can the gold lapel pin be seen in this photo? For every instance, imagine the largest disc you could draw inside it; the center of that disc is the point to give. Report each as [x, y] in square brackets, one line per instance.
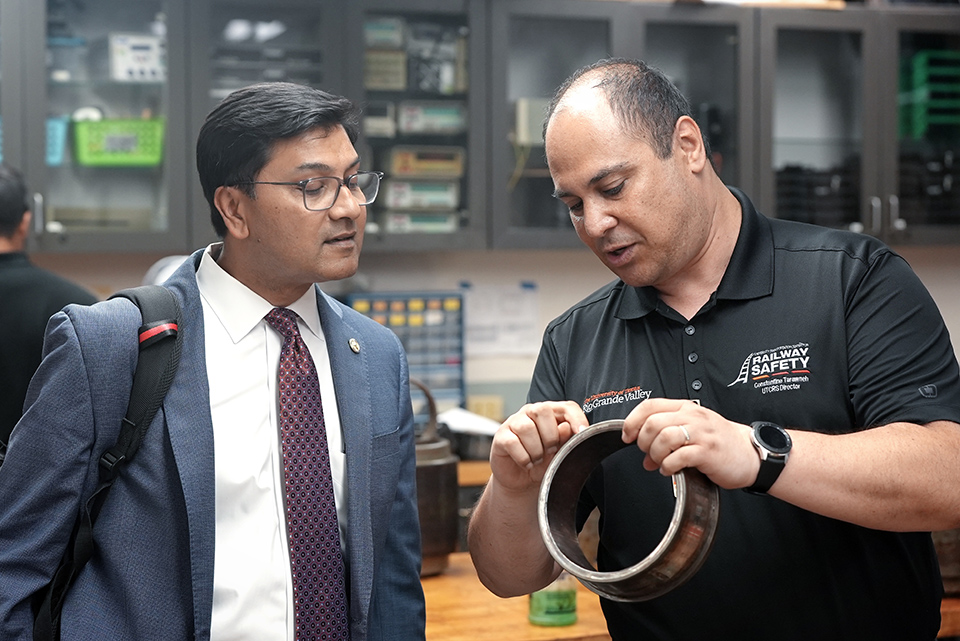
[354, 345]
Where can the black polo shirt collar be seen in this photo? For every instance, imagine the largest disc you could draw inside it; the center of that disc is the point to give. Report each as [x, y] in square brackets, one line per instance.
[14, 258]
[749, 273]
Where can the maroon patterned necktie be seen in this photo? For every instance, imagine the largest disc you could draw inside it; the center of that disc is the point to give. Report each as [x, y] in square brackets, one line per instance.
[320, 601]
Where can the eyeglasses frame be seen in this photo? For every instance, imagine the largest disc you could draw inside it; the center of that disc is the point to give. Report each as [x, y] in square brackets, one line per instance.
[302, 184]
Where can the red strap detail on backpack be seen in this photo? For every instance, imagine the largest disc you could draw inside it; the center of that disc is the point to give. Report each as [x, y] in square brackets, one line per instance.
[147, 334]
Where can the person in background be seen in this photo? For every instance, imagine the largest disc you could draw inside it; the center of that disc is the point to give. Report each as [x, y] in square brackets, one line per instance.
[29, 296]
[202, 535]
[805, 371]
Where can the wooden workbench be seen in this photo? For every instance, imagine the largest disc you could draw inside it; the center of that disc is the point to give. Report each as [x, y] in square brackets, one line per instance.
[949, 618]
[507, 618]
[459, 608]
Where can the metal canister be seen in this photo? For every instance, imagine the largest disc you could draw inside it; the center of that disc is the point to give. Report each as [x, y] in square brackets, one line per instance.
[437, 492]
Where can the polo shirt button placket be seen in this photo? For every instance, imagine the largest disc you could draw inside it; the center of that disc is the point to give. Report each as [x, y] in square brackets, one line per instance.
[696, 384]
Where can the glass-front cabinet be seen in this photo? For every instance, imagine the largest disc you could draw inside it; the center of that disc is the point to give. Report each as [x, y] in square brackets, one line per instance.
[920, 173]
[708, 53]
[103, 105]
[7, 40]
[860, 120]
[819, 126]
[534, 46]
[848, 118]
[236, 43]
[420, 81]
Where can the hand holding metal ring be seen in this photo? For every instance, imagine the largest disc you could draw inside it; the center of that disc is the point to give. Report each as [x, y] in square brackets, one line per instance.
[675, 559]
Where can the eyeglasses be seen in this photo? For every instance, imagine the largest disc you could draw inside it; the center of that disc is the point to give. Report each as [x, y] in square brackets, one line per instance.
[321, 193]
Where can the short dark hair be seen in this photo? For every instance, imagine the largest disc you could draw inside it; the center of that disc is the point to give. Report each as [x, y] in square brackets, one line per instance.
[642, 98]
[13, 199]
[236, 140]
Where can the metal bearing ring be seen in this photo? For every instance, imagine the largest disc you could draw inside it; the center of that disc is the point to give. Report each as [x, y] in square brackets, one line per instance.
[675, 559]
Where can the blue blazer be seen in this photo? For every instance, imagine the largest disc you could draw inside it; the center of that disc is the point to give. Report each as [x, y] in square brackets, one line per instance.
[151, 576]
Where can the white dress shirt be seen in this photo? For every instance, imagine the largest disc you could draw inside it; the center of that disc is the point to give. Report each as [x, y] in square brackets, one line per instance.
[252, 585]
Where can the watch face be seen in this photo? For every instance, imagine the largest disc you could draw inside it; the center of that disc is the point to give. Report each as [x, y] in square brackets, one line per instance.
[774, 438]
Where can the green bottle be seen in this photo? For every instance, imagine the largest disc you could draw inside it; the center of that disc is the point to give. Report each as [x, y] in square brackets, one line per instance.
[555, 604]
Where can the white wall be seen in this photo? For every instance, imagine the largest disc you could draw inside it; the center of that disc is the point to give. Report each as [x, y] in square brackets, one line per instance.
[939, 269]
[563, 278]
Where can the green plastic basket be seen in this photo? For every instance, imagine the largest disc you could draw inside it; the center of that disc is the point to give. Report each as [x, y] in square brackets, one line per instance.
[118, 143]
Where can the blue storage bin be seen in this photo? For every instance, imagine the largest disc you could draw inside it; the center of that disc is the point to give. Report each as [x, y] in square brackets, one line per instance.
[56, 140]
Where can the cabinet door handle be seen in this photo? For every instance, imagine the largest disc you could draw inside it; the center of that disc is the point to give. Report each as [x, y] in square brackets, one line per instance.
[895, 221]
[40, 225]
[37, 211]
[876, 215]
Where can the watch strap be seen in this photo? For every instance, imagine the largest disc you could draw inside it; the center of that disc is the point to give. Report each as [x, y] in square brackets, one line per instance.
[773, 458]
[770, 469]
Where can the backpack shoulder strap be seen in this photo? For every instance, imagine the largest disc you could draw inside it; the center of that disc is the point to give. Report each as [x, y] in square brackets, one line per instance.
[157, 360]
[157, 363]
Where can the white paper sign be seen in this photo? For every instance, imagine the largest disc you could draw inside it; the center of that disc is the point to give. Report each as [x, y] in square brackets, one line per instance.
[501, 320]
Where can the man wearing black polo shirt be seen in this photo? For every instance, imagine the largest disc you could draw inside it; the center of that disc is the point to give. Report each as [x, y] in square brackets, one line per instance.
[29, 296]
[807, 365]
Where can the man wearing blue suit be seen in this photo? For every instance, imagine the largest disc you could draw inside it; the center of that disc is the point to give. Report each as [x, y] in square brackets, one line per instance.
[192, 541]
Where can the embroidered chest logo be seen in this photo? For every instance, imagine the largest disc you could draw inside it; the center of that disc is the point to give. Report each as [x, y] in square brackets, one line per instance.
[615, 398]
[780, 369]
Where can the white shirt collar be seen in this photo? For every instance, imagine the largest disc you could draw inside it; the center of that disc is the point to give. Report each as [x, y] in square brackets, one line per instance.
[238, 308]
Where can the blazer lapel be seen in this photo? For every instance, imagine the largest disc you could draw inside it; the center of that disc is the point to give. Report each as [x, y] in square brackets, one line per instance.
[351, 382]
[190, 426]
